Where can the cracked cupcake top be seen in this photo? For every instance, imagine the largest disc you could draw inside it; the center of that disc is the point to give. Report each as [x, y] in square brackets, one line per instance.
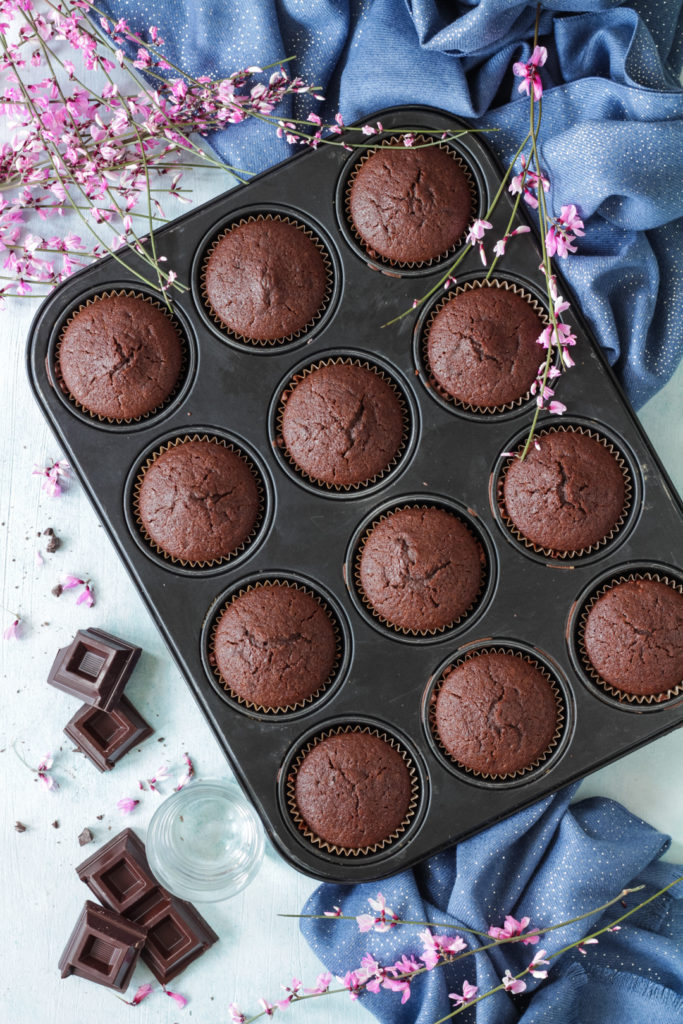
[120, 357]
[410, 205]
[266, 279]
[275, 645]
[353, 790]
[421, 568]
[633, 637]
[342, 424]
[198, 501]
[496, 713]
[482, 346]
[567, 496]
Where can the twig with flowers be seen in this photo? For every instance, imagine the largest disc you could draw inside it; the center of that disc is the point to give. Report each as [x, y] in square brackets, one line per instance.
[556, 235]
[440, 950]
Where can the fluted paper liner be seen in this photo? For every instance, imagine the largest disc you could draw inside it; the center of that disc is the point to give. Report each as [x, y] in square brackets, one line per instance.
[621, 695]
[212, 439]
[507, 286]
[580, 552]
[559, 701]
[131, 293]
[284, 708]
[411, 264]
[346, 851]
[297, 378]
[285, 339]
[358, 554]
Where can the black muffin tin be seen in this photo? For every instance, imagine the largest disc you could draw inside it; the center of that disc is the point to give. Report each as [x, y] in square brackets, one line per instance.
[529, 602]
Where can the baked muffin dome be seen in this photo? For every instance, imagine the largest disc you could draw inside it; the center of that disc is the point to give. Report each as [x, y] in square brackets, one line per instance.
[198, 501]
[342, 424]
[410, 205]
[120, 357]
[265, 279]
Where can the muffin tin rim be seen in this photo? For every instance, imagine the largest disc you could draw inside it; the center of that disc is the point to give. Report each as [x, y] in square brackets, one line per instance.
[269, 499]
[341, 618]
[308, 335]
[474, 523]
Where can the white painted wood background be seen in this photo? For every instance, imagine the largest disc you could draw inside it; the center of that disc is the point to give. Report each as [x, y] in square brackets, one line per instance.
[40, 894]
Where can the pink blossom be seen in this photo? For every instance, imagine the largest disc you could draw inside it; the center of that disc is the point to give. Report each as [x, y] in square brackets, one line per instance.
[69, 582]
[141, 994]
[322, 983]
[535, 968]
[86, 596]
[512, 928]
[529, 72]
[53, 475]
[499, 247]
[401, 985]
[468, 994]
[352, 982]
[514, 985]
[127, 804]
[408, 139]
[586, 942]
[13, 630]
[292, 991]
[563, 231]
[236, 1015]
[556, 408]
[177, 998]
[385, 920]
[436, 946]
[333, 913]
[268, 1008]
[475, 235]
[45, 780]
[188, 773]
[527, 182]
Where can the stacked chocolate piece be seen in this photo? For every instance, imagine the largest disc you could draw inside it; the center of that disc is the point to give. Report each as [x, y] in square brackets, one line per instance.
[96, 667]
[139, 918]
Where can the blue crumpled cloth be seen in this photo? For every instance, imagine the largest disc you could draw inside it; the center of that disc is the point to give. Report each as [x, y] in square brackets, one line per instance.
[612, 119]
[550, 862]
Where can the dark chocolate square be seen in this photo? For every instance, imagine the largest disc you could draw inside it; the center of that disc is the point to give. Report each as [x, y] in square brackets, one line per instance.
[104, 947]
[118, 873]
[105, 736]
[95, 667]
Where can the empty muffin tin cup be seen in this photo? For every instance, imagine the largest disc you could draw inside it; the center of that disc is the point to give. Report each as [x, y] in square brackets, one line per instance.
[205, 842]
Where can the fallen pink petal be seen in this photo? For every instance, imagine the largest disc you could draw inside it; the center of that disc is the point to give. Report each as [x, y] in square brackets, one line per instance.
[177, 998]
[141, 994]
[127, 804]
[12, 632]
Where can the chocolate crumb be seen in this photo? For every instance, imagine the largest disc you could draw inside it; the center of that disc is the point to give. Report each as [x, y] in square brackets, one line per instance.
[55, 824]
[99, 817]
[54, 543]
[56, 591]
[85, 837]
[19, 826]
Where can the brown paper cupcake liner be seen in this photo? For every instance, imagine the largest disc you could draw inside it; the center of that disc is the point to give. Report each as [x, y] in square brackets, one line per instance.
[410, 264]
[505, 776]
[285, 708]
[183, 561]
[294, 335]
[579, 552]
[621, 695]
[342, 361]
[131, 293]
[380, 618]
[431, 379]
[345, 851]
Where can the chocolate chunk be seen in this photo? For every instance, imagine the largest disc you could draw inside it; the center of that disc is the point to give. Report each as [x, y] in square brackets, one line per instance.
[95, 667]
[119, 875]
[85, 837]
[58, 590]
[105, 736]
[54, 543]
[104, 947]
[55, 824]
[19, 826]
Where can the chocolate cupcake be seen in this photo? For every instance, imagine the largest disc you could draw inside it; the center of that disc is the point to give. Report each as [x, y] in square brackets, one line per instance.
[119, 357]
[274, 646]
[342, 424]
[410, 206]
[632, 638]
[569, 495]
[266, 279]
[198, 501]
[353, 792]
[497, 713]
[481, 346]
[420, 569]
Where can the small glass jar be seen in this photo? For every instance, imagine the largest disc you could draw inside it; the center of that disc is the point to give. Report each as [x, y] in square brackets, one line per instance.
[205, 843]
